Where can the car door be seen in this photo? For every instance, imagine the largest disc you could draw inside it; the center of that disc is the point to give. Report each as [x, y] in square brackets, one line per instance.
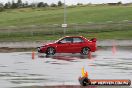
[77, 44]
[64, 45]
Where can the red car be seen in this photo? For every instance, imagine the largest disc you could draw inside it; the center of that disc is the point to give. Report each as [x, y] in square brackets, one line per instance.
[69, 44]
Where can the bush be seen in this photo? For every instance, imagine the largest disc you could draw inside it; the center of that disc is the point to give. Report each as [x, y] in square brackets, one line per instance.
[1, 9]
[53, 5]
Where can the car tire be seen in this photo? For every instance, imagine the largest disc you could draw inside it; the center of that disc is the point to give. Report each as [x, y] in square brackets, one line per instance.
[85, 51]
[50, 51]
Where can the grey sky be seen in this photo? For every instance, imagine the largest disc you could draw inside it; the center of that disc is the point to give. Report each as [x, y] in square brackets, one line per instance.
[72, 1]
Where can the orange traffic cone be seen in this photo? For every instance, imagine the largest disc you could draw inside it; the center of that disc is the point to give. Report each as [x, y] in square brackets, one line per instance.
[86, 74]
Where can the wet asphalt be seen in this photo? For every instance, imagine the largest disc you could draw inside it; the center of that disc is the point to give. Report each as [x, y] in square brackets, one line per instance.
[19, 70]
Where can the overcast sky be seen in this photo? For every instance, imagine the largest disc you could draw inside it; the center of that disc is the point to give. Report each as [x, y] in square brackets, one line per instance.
[72, 1]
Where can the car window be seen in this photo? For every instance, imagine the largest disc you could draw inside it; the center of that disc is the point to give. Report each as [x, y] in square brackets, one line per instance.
[77, 40]
[67, 40]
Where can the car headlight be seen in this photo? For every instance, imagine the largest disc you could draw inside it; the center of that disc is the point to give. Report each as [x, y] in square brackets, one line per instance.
[42, 47]
[38, 48]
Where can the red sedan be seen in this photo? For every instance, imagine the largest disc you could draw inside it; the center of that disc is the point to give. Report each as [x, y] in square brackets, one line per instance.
[69, 44]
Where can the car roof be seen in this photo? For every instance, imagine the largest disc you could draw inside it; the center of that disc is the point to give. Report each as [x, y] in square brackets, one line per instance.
[73, 37]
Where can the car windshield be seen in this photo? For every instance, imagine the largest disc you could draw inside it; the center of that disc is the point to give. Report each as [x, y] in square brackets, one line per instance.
[59, 40]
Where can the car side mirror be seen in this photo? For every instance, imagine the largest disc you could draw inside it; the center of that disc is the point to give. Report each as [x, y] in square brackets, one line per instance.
[59, 42]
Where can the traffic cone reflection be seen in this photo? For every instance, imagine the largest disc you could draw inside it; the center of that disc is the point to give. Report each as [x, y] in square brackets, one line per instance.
[33, 55]
[89, 55]
[114, 49]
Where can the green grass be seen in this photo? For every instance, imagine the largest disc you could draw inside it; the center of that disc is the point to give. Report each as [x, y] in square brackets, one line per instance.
[20, 17]
[126, 34]
[103, 22]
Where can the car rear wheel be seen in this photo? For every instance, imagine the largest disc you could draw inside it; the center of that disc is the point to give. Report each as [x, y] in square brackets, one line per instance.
[50, 51]
[85, 51]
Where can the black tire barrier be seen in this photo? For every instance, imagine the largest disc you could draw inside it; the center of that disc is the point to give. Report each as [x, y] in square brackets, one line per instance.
[84, 81]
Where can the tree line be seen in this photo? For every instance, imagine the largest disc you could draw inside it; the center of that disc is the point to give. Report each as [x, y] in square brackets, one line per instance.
[20, 4]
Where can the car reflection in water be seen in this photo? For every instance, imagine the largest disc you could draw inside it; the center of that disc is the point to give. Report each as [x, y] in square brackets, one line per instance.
[67, 57]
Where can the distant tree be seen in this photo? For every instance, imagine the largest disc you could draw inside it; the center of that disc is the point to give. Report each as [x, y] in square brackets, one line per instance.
[7, 5]
[33, 5]
[79, 4]
[46, 5]
[14, 5]
[12, 2]
[60, 3]
[19, 3]
[89, 3]
[40, 4]
[25, 4]
[53, 5]
[119, 3]
[1, 7]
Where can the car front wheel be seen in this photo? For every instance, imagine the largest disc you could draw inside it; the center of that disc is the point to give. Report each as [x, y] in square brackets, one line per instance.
[85, 51]
[50, 51]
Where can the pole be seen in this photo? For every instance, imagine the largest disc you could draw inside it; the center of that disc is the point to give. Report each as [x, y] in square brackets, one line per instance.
[64, 16]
